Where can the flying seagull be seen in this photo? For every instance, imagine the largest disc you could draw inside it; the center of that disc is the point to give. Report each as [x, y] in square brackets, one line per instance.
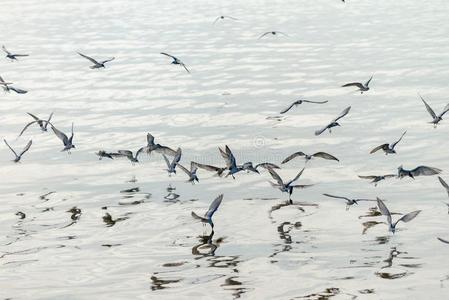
[218, 170]
[12, 56]
[388, 148]
[287, 187]
[298, 102]
[349, 201]
[171, 166]
[436, 118]
[176, 61]
[272, 33]
[210, 212]
[224, 17]
[191, 173]
[231, 164]
[97, 64]
[308, 157]
[151, 146]
[418, 171]
[405, 218]
[8, 88]
[362, 87]
[42, 123]
[18, 157]
[376, 178]
[334, 122]
[68, 144]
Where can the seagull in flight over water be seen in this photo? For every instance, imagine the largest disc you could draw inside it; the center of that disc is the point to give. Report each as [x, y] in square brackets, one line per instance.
[191, 173]
[42, 123]
[376, 178]
[68, 144]
[171, 166]
[405, 218]
[97, 64]
[362, 87]
[349, 201]
[334, 122]
[272, 33]
[12, 56]
[418, 171]
[308, 157]
[210, 212]
[176, 61]
[287, 187]
[436, 118]
[298, 102]
[19, 156]
[388, 148]
[224, 17]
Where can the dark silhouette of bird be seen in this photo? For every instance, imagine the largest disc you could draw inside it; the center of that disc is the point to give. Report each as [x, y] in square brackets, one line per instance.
[362, 87]
[334, 122]
[436, 118]
[388, 148]
[418, 171]
[12, 56]
[301, 101]
[308, 157]
[97, 64]
[405, 218]
[176, 61]
[19, 156]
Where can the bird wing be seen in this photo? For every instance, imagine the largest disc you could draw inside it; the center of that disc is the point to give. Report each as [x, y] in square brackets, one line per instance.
[48, 121]
[289, 107]
[384, 210]
[126, 153]
[33, 116]
[395, 143]
[389, 175]
[320, 131]
[61, 135]
[17, 90]
[27, 147]
[367, 176]
[207, 167]
[230, 17]
[2, 80]
[10, 148]
[282, 33]
[89, 58]
[301, 186]
[218, 18]
[150, 139]
[267, 165]
[166, 161]
[445, 110]
[177, 157]
[317, 102]
[276, 177]
[142, 149]
[342, 114]
[108, 60]
[444, 184]
[26, 126]
[296, 177]
[213, 207]
[369, 80]
[182, 64]
[383, 146]
[193, 167]
[357, 84]
[325, 156]
[166, 54]
[6, 51]
[338, 197]
[429, 109]
[408, 217]
[194, 215]
[165, 150]
[184, 169]
[21, 55]
[442, 240]
[289, 158]
[425, 170]
[71, 137]
[264, 34]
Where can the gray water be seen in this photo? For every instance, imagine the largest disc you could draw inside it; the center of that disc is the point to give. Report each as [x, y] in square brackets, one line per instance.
[144, 244]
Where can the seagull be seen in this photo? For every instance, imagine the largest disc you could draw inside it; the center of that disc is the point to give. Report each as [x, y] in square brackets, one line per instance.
[172, 166]
[287, 187]
[128, 154]
[298, 102]
[210, 212]
[18, 157]
[309, 157]
[349, 201]
[405, 218]
[267, 165]
[230, 161]
[436, 119]
[376, 178]
[223, 17]
[334, 122]
[362, 87]
[65, 140]
[218, 170]
[176, 61]
[7, 88]
[12, 56]
[418, 171]
[388, 148]
[151, 146]
[248, 166]
[97, 64]
[273, 33]
[191, 173]
[103, 153]
[42, 123]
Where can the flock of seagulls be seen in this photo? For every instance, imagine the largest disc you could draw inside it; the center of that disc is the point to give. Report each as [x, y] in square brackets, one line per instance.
[173, 157]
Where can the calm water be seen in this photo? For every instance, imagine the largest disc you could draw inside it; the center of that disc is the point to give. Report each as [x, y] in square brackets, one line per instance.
[143, 243]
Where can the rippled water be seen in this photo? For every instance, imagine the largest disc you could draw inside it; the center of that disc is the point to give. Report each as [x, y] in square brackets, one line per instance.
[112, 230]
